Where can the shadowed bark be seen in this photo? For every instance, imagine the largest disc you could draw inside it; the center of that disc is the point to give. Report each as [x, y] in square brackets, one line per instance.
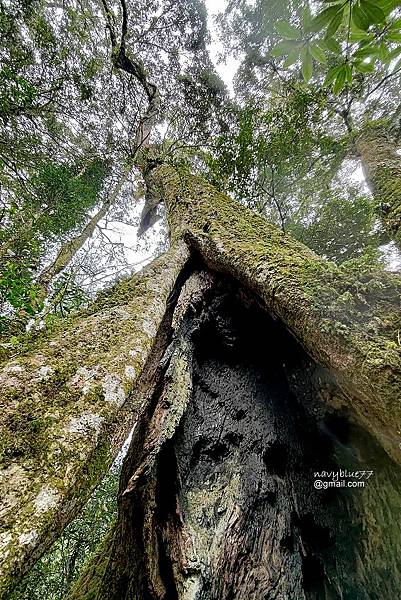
[217, 496]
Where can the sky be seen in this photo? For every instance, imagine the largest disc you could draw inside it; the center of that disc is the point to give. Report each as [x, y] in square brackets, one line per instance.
[226, 69]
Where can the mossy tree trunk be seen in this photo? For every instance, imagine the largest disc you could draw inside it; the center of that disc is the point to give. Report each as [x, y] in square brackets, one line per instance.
[382, 168]
[132, 359]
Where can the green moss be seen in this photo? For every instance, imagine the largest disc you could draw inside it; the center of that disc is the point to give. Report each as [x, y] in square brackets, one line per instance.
[92, 582]
[62, 400]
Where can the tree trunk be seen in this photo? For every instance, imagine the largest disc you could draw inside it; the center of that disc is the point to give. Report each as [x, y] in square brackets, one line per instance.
[382, 169]
[217, 497]
[68, 250]
[67, 405]
[196, 462]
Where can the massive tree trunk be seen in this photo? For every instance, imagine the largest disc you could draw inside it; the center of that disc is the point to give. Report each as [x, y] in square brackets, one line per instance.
[382, 169]
[272, 353]
[217, 496]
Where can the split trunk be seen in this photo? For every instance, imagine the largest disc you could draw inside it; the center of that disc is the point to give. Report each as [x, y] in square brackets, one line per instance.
[248, 365]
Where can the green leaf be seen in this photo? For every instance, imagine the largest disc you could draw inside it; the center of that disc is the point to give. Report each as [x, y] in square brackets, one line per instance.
[318, 53]
[306, 18]
[331, 75]
[372, 11]
[332, 45]
[395, 25]
[371, 50]
[324, 17]
[360, 18]
[283, 47]
[364, 67]
[357, 35]
[348, 73]
[387, 5]
[287, 30]
[307, 65]
[394, 53]
[340, 80]
[394, 37]
[291, 58]
[383, 52]
[334, 24]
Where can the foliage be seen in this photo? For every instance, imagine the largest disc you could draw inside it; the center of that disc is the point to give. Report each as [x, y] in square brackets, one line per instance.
[50, 204]
[266, 161]
[340, 228]
[353, 34]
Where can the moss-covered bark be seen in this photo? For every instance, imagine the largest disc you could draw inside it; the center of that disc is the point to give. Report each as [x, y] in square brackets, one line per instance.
[382, 168]
[66, 407]
[217, 492]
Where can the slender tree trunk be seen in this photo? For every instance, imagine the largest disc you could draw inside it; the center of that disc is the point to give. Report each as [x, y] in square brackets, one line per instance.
[382, 168]
[70, 248]
[133, 359]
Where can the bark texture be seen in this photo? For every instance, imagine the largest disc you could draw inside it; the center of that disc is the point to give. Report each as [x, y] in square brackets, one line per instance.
[349, 325]
[382, 169]
[68, 404]
[217, 499]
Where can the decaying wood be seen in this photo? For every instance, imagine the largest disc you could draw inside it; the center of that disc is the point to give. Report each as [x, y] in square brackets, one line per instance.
[348, 321]
[226, 506]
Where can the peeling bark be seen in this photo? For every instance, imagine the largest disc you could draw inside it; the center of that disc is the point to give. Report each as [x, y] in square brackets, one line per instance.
[382, 169]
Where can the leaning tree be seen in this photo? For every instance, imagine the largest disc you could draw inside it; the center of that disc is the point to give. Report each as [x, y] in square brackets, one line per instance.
[244, 363]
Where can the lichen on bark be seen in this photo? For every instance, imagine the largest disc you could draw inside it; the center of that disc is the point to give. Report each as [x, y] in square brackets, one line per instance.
[67, 406]
[216, 496]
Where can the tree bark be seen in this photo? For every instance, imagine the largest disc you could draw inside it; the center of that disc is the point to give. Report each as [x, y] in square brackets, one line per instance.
[217, 496]
[67, 405]
[348, 326]
[382, 169]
